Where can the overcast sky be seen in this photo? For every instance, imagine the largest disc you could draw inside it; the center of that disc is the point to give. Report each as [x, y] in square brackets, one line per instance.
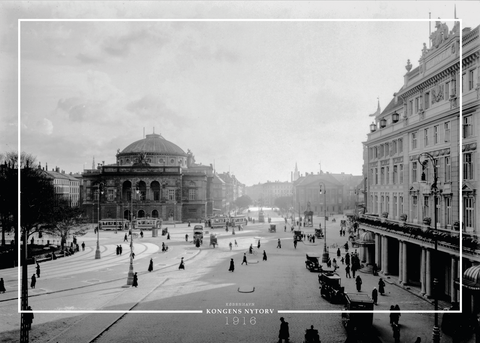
[253, 97]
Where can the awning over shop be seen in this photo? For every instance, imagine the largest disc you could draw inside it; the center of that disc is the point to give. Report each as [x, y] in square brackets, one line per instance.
[471, 278]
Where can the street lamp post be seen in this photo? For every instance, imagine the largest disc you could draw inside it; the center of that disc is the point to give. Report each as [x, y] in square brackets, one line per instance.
[132, 226]
[97, 251]
[434, 190]
[323, 190]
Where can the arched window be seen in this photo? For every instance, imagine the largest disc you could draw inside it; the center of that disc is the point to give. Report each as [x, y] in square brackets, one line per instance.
[154, 214]
[127, 191]
[141, 214]
[155, 187]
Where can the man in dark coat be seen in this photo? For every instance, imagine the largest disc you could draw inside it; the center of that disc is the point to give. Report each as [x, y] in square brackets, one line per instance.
[244, 259]
[150, 265]
[347, 258]
[34, 281]
[358, 282]
[125, 239]
[182, 265]
[284, 332]
[38, 270]
[264, 255]
[2, 286]
[135, 280]
[375, 295]
[232, 266]
[381, 286]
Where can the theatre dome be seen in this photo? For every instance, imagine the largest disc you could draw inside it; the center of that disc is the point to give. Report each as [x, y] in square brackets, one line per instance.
[154, 144]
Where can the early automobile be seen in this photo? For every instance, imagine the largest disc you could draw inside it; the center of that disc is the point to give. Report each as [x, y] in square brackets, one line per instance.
[319, 233]
[358, 324]
[272, 228]
[213, 239]
[198, 234]
[331, 287]
[298, 236]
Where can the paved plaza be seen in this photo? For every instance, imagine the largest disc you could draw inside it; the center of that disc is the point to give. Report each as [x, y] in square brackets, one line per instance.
[269, 289]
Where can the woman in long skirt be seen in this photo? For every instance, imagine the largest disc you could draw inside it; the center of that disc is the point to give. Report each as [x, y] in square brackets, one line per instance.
[135, 280]
[150, 265]
[182, 265]
[232, 266]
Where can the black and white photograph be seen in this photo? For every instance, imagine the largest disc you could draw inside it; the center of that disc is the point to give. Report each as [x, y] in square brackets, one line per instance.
[239, 171]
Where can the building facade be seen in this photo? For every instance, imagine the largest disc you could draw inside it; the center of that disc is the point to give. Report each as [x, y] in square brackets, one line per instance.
[152, 177]
[412, 169]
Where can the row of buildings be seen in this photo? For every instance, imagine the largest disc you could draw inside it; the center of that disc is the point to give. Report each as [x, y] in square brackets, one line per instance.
[416, 172]
[152, 178]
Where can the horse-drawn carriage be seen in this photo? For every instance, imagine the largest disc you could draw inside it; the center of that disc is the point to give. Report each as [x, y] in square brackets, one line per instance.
[272, 228]
[297, 236]
[331, 287]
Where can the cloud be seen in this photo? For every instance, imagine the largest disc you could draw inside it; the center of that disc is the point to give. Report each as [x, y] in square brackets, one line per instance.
[121, 45]
[45, 126]
[84, 58]
[153, 108]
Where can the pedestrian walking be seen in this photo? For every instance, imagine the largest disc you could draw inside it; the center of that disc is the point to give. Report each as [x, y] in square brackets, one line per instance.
[125, 239]
[329, 263]
[182, 265]
[230, 245]
[285, 229]
[150, 265]
[250, 249]
[354, 269]
[295, 243]
[264, 255]
[279, 244]
[236, 243]
[375, 295]
[244, 259]
[168, 235]
[258, 245]
[132, 255]
[33, 282]
[392, 315]
[338, 252]
[29, 318]
[2, 286]
[342, 260]
[232, 266]
[358, 282]
[120, 248]
[396, 333]
[335, 265]
[38, 270]
[284, 333]
[347, 258]
[186, 237]
[83, 246]
[135, 280]
[381, 286]
[397, 317]
[346, 246]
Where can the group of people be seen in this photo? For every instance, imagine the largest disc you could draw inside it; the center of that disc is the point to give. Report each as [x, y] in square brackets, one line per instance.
[119, 249]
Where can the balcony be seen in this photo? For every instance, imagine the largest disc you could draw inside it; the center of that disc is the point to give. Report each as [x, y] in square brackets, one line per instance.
[447, 239]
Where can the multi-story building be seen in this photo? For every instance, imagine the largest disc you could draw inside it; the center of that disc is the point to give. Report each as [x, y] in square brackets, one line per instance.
[233, 190]
[412, 168]
[65, 185]
[152, 177]
[219, 191]
[264, 194]
[307, 195]
[353, 187]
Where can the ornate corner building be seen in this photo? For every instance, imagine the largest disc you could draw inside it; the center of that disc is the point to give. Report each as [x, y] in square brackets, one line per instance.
[414, 176]
[152, 178]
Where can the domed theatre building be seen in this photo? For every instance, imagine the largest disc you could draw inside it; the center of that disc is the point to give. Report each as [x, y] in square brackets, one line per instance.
[152, 178]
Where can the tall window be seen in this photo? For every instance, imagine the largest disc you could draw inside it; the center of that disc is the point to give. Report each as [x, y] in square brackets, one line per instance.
[468, 213]
[171, 194]
[376, 176]
[467, 126]
[425, 137]
[394, 147]
[192, 194]
[400, 145]
[467, 166]
[110, 195]
[470, 79]
[414, 207]
[414, 171]
[448, 169]
[447, 91]
[416, 104]
[435, 134]
[414, 140]
[395, 175]
[382, 199]
[410, 107]
[381, 150]
[387, 203]
[375, 152]
[447, 131]
[400, 166]
[382, 175]
[427, 100]
[448, 210]
[400, 204]
[375, 204]
[426, 207]
[395, 213]
[387, 175]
